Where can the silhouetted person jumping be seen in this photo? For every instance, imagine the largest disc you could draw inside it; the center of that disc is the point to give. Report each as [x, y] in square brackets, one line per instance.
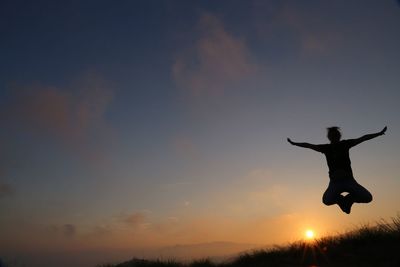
[340, 172]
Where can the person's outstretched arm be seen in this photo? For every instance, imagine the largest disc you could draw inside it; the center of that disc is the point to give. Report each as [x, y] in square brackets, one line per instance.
[317, 148]
[354, 142]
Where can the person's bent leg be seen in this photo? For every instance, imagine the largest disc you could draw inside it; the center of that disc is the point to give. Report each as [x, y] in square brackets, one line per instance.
[347, 203]
[332, 195]
[359, 194]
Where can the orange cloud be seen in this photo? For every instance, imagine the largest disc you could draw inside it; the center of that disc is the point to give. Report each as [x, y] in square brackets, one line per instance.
[67, 230]
[186, 148]
[313, 39]
[66, 114]
[135, 218]
[6, 190]
[306, 28]
[136, 221]
[100, 231]
[216, 62]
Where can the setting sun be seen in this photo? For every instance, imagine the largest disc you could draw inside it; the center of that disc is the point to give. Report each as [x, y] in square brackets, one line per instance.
[310, 234]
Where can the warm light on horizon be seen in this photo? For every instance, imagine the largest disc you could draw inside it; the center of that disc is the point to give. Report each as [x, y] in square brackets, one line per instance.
[309, 234]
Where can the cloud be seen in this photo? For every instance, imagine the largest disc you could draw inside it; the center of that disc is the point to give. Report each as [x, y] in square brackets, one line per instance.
[175, 185]
[216, 61]
[65, 113]
[101, 230]
[135, 220]
[258, 174]
[69, 230]
[71, 116]
[313, 39]
[6, 190]
[298, 26]
[274, 195]
[186, 148]
[66, 230]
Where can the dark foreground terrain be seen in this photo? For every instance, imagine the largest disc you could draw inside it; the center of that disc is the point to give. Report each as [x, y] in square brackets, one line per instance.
[367, 246]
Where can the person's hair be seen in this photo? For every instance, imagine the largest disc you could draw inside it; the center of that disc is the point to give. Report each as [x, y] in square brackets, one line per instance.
[334, 133]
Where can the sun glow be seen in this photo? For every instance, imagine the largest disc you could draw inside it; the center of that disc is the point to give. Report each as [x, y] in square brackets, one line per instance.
[309, 234]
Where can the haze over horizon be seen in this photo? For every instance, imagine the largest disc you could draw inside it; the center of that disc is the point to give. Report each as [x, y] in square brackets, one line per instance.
[130, 126]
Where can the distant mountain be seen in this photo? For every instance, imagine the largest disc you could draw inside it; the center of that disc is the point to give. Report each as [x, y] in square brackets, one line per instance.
[216, 251]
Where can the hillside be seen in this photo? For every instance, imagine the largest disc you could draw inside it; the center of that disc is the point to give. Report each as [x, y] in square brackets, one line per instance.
[367, 246]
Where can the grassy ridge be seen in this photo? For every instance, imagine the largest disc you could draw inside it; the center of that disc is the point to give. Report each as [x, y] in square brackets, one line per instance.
[365, 247]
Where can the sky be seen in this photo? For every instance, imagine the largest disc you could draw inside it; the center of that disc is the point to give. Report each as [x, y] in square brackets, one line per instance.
[129, 126]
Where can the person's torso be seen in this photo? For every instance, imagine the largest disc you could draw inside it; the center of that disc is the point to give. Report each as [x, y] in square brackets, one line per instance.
[338, 158]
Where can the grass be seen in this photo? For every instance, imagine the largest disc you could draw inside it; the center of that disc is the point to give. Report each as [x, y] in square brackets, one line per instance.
[367, 246]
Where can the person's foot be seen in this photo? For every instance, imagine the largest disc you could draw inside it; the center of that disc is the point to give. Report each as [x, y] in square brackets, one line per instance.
[345, 204]
[340, 202]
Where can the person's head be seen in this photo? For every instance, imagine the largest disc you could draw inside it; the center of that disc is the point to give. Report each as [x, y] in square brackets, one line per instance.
[334, 134]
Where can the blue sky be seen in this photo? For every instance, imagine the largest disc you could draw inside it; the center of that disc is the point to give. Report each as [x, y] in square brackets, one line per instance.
[151, 123]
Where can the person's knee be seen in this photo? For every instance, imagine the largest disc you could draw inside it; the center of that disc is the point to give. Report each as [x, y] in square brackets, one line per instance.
[365, 198]
[328, 201]
[368, 198]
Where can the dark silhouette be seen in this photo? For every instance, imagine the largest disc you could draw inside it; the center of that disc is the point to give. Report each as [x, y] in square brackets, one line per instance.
[340, 172]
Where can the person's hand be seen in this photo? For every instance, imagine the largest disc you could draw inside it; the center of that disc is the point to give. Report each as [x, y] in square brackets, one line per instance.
[383, 131]
[290, 141]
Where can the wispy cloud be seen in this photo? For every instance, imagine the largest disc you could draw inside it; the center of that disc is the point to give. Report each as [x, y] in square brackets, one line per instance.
[6, 190]
[313, 39]
[135, 220]
[299, 27]
[71, 116]
[175, 185]
[101, 230]
[69, 230]
[186, 148]
[66, 113]
[66, 230]
[216, 61]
